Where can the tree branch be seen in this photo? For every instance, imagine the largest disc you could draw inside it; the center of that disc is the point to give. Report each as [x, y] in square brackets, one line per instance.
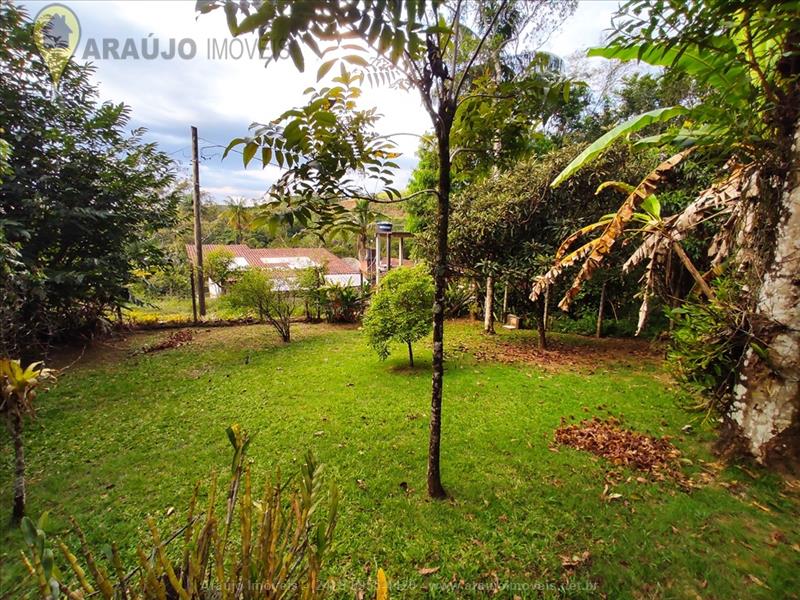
[475, 54]
[391, 200]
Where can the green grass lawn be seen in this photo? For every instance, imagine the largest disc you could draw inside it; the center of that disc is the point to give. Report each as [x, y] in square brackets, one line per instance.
[122, 436]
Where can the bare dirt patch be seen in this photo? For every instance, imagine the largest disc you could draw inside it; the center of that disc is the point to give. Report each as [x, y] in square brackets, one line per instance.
[173, 340]
[562, 351]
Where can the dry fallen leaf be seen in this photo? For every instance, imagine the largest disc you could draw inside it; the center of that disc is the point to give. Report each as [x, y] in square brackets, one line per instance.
[575, 560]
[427, 570]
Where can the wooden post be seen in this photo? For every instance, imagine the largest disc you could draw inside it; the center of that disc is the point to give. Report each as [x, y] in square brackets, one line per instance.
[194, 300]
[505, 302]
[198, 235]
[599, 331]
[400, 252]
[388, 252]
[377, 258]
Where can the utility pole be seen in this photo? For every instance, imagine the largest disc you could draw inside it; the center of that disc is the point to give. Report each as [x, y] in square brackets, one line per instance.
[194, 295]
[198, 235]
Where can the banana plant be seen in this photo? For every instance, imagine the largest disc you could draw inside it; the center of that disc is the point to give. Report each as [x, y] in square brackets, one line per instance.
[17, 394]
[741, 118]
[660, 236]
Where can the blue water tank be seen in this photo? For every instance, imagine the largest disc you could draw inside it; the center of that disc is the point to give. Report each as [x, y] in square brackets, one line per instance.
[384, 227]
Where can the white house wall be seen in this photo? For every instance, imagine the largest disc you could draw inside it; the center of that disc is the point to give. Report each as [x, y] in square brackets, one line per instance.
[347, 279]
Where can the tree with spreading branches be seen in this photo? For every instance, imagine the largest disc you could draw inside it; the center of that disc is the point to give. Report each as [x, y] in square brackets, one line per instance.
[327, 147]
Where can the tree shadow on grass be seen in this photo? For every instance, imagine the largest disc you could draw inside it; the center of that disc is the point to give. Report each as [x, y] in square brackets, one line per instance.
[400, 366]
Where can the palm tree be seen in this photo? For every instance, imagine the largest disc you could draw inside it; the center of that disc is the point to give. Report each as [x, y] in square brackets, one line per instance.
[238, 215]
[359, 221]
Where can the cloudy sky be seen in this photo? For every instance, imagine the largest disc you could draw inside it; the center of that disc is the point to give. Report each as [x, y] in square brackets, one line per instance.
[222, 96]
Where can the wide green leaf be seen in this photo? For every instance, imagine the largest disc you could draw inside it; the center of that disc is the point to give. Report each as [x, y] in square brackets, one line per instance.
[602, 143]
[249, 152]
[297, 55]
[708, 66]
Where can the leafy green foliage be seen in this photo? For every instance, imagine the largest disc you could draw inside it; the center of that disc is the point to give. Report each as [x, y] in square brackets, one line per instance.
[742, 55]
[342, 303]
[400, 310]
[80, 201]
[239, 216]
[218, 265]
[458, 299]
[325, 146]
[632, 125]
[745, 52]
[269, 295]
[708, 344]
[310, 283]
[278, 543]
[17, 394]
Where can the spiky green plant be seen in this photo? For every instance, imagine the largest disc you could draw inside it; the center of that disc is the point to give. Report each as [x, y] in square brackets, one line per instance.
[277, 550]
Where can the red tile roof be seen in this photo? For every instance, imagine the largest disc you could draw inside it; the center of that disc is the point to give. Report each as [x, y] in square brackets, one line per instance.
[253, 256]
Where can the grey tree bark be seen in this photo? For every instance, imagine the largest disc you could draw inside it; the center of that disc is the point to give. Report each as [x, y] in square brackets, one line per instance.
[766, 407]
[600, 310]
[488, 307]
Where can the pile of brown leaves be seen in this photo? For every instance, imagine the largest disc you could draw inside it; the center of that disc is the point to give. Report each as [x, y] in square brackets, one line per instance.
[606, 438]
[176, 339]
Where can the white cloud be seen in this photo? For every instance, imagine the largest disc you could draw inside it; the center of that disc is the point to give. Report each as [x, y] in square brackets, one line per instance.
[222, 97]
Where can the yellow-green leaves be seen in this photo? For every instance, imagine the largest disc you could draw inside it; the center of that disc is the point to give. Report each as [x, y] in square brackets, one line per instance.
[628, 127]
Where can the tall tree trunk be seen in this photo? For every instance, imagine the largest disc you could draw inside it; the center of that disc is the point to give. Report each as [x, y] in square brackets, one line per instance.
[410, 354]
[445, 122]
[488, 307]
[474, 307]
[541, 322]
[766, 407]
[546, 308]
[15, 427]
[599, 331]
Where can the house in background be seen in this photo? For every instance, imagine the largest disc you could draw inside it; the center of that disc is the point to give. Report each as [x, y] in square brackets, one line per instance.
[339, 271]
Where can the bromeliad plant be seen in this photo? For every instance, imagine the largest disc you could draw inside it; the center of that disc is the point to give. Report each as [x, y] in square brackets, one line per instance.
[277, 551]
[17, 394]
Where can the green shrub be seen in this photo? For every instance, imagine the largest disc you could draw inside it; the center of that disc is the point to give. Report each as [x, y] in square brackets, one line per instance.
[255, 293]
[400, 310]
[708, 345]
[342, 304]
[218, 266]
[458, 298]
[311, 289]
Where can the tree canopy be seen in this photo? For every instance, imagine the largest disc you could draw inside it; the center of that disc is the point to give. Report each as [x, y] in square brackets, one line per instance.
[80, 198]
